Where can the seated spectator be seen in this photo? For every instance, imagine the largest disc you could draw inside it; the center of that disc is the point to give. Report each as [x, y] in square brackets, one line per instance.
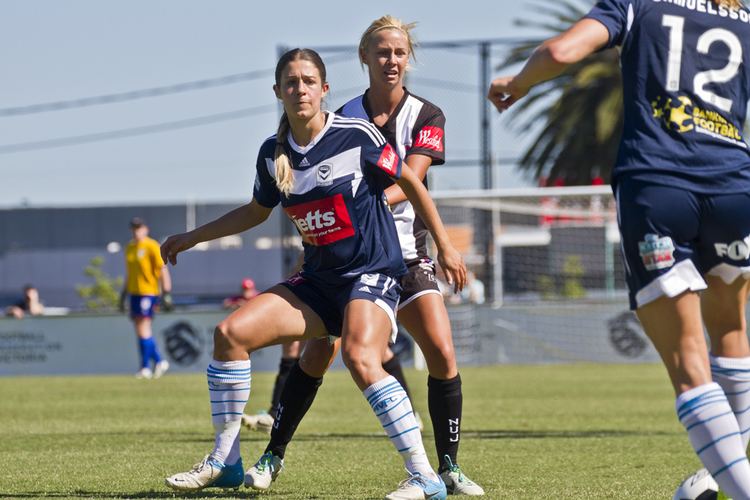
[248, 292]
[29, 304]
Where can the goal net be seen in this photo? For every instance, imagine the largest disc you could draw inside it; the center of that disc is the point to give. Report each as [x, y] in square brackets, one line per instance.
[548, 283]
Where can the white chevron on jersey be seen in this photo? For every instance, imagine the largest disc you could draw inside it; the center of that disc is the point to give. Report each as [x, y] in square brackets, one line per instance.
[367, 127]
[342, 165]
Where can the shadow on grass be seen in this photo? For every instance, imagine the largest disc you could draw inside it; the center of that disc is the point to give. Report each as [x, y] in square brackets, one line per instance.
[134, 494]
[480, 434]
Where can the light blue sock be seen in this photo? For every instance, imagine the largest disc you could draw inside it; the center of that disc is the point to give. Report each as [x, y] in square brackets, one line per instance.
[229, 389]
[715, 436]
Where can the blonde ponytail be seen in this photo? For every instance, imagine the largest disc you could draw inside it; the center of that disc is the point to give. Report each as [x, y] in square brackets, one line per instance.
[283, 167]
[730, 4]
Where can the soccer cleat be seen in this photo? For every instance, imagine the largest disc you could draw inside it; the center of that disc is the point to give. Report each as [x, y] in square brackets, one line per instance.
[261, 422]
[161, 368]
[207, 473]
[456, 482]
[264, 472]
[418, 487]
[144, 373]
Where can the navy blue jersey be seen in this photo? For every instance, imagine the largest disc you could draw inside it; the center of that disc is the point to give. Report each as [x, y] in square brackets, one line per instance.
[337, 201]
[416, 126]
[686, 78]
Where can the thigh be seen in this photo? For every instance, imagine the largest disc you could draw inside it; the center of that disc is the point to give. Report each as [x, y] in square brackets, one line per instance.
[659, 227]
[723, 308]
[426, 319]
[725, 236]
[380, 290]
[273, 317]
[675, 327]
[318, 355]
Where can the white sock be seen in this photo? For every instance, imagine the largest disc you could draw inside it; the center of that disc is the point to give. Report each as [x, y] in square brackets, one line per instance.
[733, 375]
[715, 436]
[228, 388]
[393, 408]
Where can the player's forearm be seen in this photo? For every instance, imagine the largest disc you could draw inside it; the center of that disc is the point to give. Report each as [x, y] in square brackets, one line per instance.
[166, 280]
[394, 194]
[543, 65]
[420, 198]
[238, 220]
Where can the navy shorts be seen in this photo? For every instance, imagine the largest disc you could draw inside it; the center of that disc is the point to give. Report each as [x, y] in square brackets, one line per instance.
[329, 302]
[142, 306]
[672, 238]
[419, 280]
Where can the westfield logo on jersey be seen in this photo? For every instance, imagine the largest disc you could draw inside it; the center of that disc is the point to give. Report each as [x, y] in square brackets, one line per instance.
[322, 222]
[430, 138]
[388, 160]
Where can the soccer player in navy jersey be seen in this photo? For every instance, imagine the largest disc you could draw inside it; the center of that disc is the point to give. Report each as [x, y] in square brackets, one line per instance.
[681, 182]
[416, 129]
[328, 173]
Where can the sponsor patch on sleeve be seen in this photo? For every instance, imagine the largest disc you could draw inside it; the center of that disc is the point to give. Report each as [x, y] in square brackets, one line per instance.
[388, 161]
[430, 138]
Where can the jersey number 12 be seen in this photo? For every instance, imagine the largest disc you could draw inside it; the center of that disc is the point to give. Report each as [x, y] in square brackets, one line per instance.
[676, 25]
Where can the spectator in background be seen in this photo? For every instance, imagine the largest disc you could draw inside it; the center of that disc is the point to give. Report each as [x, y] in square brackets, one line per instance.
[248, 292]
[146, 275]
[29, 304]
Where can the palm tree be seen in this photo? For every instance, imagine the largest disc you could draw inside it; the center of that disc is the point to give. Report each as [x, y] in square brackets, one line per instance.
[583, 121]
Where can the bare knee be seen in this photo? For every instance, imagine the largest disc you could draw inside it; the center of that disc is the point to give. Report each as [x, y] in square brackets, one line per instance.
[226, 345]
[363, 363]
[441, 359]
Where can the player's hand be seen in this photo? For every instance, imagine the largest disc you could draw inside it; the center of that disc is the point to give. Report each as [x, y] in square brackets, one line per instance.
[453, 266]
[167, 304]
[504, 92]
[175, 244]
[121, 301]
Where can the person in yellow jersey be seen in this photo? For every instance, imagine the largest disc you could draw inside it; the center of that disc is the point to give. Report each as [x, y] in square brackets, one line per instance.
[146, 273]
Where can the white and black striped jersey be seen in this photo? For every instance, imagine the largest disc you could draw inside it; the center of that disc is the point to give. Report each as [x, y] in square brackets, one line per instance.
[336, 201]
[416, 127]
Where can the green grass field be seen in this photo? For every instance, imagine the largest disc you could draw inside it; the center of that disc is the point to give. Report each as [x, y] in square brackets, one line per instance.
[529, 432]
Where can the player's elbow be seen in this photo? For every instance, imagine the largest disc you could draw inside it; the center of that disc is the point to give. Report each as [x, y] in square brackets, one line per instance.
[561, 52]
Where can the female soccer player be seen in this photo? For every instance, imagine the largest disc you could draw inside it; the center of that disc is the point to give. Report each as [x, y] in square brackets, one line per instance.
[681, 182]
[328, 173]
[415, 128]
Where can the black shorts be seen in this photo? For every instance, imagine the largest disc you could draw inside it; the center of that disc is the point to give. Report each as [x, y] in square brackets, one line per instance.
[419, 280]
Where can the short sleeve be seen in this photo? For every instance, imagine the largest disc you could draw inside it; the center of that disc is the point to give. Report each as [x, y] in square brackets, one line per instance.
[429, 138]
[616, 16]
[265, 191]
[383, 159]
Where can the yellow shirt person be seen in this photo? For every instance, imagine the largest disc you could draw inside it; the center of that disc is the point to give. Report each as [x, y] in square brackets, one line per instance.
[145, 273]
[143, 266]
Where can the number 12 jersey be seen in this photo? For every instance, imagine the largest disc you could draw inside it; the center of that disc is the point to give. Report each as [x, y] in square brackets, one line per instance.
[686, 85]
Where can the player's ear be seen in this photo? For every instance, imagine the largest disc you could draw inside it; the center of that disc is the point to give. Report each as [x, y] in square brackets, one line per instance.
[325, 88]
[277, 91]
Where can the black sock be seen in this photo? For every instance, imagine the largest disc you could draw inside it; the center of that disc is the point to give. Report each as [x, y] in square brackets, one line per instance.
[296, 398]
[445, 401]
[285, 366]
[393, 367]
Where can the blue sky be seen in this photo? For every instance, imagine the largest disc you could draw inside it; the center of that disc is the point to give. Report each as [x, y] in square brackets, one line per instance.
[60, 50]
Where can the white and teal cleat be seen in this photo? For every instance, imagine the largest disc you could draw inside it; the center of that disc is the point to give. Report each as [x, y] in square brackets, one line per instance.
[456, 481]
[264, 472]
[418, 487]
[261, 422]
[207, 473]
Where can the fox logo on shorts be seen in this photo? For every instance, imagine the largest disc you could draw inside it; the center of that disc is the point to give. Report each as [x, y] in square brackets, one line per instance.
[736, 250]
[656, 252]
